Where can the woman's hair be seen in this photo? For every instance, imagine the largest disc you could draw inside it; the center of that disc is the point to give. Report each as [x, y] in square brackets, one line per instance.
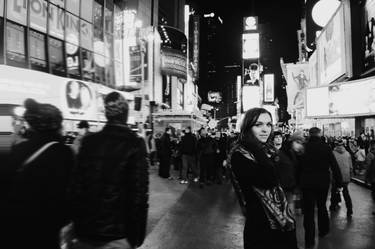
[246, 136]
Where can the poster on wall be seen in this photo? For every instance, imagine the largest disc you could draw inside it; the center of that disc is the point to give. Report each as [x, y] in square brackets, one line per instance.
[369, 35]
[331, 49]
[298, 80]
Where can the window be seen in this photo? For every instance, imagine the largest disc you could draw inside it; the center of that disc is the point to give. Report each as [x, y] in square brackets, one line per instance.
[109, 72]
[119, 74]
[73, 6]
[108, 46]
[38, 15]
[99, 68]
[108, 20]
[86, 35]
[17, 11]
[16, 50]
[56, 21]
[98, 15]
[60, 3]
[72, 29]
[86, 10]
[72, 60]
[37, 50]
[88, 68]
[56, 56]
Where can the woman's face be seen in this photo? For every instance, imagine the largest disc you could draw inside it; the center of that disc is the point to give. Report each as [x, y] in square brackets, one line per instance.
[262, 128]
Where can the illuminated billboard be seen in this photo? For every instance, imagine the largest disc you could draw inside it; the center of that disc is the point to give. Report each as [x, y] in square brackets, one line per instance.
[214, 97]
[250, 73]
[298, 80]
[250, 46]
[250, 97]
[331, 49]
[250, 23]
[269, 88]
[334, 100]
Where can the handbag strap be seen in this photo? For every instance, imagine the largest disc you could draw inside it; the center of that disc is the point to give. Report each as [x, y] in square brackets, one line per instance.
[36, 154]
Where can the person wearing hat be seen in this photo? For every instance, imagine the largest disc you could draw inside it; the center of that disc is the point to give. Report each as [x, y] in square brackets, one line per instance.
[109, 187]
[83, 130]
[34, 203]
[344, 161]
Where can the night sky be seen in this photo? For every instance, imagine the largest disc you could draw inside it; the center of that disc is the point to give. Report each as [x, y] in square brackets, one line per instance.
[283, 17]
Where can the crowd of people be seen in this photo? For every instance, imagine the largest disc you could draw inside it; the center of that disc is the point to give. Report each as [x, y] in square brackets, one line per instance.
[99, 183]
[198, 156]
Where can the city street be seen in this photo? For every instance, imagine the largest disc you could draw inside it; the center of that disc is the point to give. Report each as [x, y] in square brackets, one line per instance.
[210, 218]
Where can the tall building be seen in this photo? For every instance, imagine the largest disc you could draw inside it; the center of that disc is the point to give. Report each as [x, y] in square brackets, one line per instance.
[211, 54]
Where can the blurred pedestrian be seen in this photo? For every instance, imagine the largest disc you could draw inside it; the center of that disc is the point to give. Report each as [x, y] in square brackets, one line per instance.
[83, 130]
[269, 223]
[207, 149]
[316, 164]
[34, 205]
[109, 189]
[165, 154]
[344, 161]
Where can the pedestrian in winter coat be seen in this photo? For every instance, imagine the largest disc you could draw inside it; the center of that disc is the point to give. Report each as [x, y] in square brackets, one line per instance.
[34, 203]
[188, 148]
[253, 160]
[370, 168]
[109, 189]
[288, 165]
[315, 176]
[344, 161]
[165, 154]
[207, 150]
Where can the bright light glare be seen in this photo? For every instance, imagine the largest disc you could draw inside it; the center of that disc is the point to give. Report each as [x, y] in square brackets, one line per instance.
[323, 11]
[19, 111]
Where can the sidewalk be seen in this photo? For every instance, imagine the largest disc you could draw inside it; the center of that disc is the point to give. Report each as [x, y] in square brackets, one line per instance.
[163, 195]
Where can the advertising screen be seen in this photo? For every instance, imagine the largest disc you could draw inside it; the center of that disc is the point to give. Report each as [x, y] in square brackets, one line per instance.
[250, 97]
[298, 80]
[269, 88]
[250, 46]
[331, 49]
[250, 73]
[317, 101]
[214, 97]
[369, 32]
[335, 100]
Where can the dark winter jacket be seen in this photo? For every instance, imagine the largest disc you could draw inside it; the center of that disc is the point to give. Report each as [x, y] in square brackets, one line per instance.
[207, 146]
[188, 145]
[316, 164]
[165, 145]
[109, 190]
[259, 172]
[35, 199]
[286, 168]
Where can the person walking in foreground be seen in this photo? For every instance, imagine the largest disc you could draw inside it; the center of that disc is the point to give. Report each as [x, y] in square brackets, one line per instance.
[344, 161]
[188, 148]
[109, 188]
[315, 176]
[253, 160]
[34, 203]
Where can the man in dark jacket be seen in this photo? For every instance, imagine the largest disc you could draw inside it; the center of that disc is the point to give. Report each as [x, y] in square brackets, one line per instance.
[315, 181]
[188, 148]
[165, 154]
[109, 190]
[207, 150]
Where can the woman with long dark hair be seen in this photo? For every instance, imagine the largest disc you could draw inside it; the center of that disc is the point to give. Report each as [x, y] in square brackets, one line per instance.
[269, 223]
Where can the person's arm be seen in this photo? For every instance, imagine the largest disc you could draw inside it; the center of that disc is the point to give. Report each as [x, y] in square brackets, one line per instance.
[137, 195]
[248, 171]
